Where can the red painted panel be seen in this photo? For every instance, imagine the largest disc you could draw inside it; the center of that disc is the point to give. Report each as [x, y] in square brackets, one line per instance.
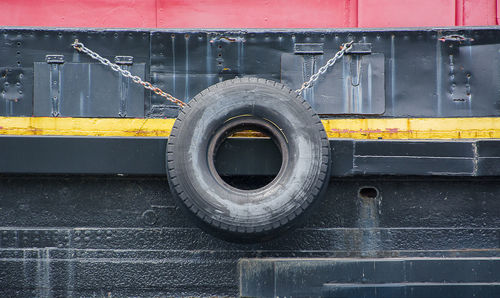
[478, 13]
[248, 13]
[256, 13]
[498, 12]
[81, 13]
[408, 13]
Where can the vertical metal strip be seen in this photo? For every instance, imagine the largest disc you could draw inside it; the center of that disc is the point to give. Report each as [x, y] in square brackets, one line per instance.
[55, 88]
[124, 90]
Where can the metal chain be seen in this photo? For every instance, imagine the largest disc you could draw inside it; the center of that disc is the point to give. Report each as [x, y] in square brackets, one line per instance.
[343, 49]
[308, 84]
[82, 48]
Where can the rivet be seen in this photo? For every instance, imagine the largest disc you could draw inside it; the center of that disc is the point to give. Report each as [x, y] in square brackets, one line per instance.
[149, 217]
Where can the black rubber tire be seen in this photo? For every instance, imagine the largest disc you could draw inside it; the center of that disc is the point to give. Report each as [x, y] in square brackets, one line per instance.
[209, 117]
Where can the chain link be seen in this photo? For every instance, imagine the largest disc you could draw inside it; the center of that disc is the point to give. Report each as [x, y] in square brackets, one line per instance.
[308, 84]
[82, 48]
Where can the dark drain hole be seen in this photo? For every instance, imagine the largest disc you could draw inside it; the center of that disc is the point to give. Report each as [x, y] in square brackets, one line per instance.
[368, 192]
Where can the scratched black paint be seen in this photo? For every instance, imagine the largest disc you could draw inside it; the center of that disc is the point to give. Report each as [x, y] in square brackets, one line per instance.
[85, 236]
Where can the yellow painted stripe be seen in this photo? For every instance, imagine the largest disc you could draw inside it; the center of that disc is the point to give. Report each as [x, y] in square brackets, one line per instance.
[396, 128]
[120, 127]
[414, 128]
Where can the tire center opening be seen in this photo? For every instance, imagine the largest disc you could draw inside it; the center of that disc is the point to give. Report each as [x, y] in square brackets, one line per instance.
[254, 146]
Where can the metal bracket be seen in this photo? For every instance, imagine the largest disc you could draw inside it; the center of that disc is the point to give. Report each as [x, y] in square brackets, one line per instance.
[55, 82]
[124, 90]
[455, 38]
[55, 88]
[124, 60]
[360, 48]
[54, 59]
[308, 49]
